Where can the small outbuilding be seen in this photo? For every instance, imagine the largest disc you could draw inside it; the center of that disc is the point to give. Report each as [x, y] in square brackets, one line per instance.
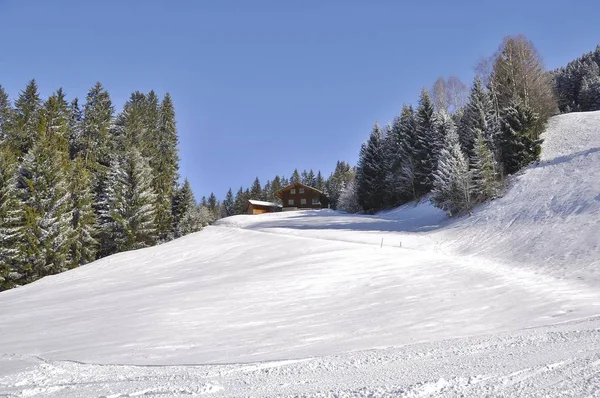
[299, 196]
[260, 207]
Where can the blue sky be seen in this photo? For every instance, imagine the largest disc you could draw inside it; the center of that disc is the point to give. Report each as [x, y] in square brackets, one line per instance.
[263, 87]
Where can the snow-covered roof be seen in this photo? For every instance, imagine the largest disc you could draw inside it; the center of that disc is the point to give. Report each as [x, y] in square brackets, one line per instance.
[261, 203]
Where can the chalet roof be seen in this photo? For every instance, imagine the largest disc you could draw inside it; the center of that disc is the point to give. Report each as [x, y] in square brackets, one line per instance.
[297, 185]
[262, 203]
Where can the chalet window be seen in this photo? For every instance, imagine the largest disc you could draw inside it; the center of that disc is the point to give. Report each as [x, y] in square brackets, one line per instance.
[301, 190]
[293, 192]
[290, 201]
[302, 201]
[315, 201]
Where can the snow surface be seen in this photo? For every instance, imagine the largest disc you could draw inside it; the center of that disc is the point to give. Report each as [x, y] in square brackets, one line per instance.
[323, 304]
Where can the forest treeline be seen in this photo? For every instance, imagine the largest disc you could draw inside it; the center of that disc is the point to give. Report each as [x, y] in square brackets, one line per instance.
[80, 181]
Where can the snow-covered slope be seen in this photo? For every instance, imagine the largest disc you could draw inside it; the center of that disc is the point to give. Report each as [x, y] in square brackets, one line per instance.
[319, 303]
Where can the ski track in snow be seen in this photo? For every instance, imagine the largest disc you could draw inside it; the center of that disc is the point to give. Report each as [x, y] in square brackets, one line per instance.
[320, 304]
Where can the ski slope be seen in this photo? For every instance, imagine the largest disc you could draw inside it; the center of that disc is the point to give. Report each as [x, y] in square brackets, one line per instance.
[406, 303]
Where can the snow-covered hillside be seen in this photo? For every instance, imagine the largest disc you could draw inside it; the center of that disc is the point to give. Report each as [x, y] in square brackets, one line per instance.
[319, 303]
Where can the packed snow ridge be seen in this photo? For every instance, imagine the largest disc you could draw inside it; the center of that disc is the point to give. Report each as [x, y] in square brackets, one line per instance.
[323, 304]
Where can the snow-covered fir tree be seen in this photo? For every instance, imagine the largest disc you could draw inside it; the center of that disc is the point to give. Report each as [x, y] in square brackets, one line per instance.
[370, 172]
[84, 223]
[478, 116]
[25, 126]
[44, 193]
[485, 171]
[519, 143]
[452, 178]
[6, 112]
[11, 217]
[228, 205]
[128, 217]
[427, 145]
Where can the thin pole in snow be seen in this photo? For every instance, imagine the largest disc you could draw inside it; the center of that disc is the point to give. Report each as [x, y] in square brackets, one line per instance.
[381, 242]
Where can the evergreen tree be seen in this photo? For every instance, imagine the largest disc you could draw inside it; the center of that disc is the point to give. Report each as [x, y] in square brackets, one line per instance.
[94, 142]
[267, 192]
[6, 112]
[24, 128]
[165, 166]
[228, 204]
[478, 117]
[240, 202]
[11, 216]
[44, 193]
[256, 190]
[427, 144]
[310, 179]
[337, 181]
[295, 177]
[519, 141]
[129, 218]
[184, 202]
[452, 179]
[406, 129]
[320, 182]
[370, 173]
[84, 224]
[75, 128]
[276, 185]
[485, 171]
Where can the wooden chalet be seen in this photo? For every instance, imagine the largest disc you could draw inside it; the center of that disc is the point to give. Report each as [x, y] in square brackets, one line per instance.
[299, 196]
[260, 207]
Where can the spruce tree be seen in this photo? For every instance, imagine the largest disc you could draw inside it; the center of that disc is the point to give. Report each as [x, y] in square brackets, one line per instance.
[24, 129]
[295, 177]
[519, 143]
[11, 218]
[44, 193]
[187, 216]
[228, 204]
[310, 179]
[84, 224]
[370, 173]
[240, 202]
[320, 182]
[94, 142]
[128, 217]
[256, 190]
[75, 128]
[452, 179]
[479, 116]
[6, 112]
[406, 129]
[427, 144]
[485, 171]
[165, 166]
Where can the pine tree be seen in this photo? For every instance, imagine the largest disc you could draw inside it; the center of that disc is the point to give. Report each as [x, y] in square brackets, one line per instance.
[228, 204]
[320, 182]
[406, 129]
[215, 207]
[240, 202]
[75, 128]
[310, 179]
[129, 218]
[94, 142]
[183, 202]
[452, 179]
[479, 116]
[370, 173]
[84, 224]
[11, 216]
[267, 192]
[337, 181]
[165, 166]
[24, 129]
[519, 141]
[6, 112]
[427, 144]
[44, 193]
[391, 164]
[485, 171]
[295, 177]
[256, 190]
[276, 185]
